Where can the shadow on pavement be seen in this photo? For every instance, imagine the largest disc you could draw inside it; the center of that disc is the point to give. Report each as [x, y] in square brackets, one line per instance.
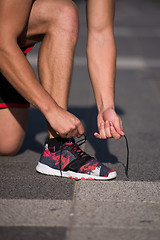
[36, 132]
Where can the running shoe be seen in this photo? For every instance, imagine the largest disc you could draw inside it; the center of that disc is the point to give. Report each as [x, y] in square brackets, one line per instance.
[68, 160]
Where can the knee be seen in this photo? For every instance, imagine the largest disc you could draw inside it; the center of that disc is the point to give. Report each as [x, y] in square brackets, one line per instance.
[10, 147]
[68, 20]
[64, 18]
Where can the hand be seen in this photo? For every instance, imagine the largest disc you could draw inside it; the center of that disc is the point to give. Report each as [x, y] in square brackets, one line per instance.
[65, 124]
[109, 125]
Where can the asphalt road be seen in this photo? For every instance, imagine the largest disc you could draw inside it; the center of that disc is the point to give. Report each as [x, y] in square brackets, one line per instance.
[34, 206]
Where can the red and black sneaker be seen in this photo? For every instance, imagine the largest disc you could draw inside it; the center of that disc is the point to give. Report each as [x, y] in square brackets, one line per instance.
[64, 157]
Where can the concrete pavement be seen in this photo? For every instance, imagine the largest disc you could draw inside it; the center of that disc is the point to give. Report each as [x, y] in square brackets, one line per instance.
[34, 206]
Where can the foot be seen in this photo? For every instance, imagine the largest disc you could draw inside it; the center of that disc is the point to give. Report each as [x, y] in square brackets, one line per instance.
[63, 157]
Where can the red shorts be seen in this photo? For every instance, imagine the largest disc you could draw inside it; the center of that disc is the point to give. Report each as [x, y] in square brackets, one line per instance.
[9, 97]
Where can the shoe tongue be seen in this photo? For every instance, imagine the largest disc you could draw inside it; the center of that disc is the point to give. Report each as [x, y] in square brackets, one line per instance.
[71, 140]
[62, 141]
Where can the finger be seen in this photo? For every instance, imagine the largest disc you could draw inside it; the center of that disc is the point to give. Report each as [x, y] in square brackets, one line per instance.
[72, 133]
[97, 135]
[121, 132]
[76, 133]
[114, 133]
[79, 135]
[102, 131]
[118, 127]
[63, 135]
[107, 129]
[57, 133]
[121, 126]
[80, 129]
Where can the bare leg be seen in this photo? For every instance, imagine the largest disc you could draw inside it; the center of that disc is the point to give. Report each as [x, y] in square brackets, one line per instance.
[56, 57]
[13, 123]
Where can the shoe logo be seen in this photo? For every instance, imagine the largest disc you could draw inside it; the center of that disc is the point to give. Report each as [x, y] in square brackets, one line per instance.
[96, 171]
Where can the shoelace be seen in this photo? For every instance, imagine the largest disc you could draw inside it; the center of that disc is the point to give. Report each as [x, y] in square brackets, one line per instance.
[75, 146]
[127, 162]
[81, 153]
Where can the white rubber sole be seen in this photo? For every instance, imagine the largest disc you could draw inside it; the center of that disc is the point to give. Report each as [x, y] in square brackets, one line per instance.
[44, 169]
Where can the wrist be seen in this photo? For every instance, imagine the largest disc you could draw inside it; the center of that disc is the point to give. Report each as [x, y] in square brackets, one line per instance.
[48, 107]
[105, 106]
[105, 99]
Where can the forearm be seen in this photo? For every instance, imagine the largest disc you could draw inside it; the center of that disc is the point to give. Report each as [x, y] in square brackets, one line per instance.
[20, 74]
[101, 54]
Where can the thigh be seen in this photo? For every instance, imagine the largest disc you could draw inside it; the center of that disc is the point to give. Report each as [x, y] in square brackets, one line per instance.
[13, 124]
[43, 13]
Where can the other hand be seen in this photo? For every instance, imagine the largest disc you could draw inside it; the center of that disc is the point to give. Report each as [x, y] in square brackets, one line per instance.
[109, 125]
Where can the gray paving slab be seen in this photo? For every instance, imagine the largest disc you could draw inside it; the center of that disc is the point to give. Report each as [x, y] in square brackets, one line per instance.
[114, 234]
[117, 215]
[117, 208]
[27, 212]
[119, 191]
[32, 233]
